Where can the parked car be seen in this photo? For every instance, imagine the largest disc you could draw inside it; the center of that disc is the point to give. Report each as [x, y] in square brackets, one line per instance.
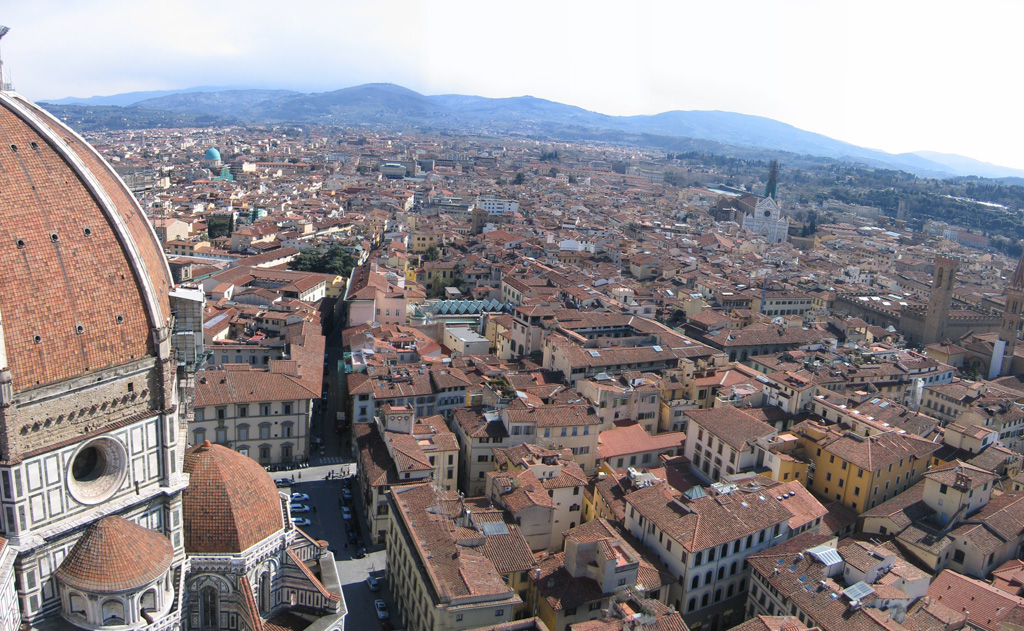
[300, 521]
[300, 497]
[373, 584]
[300, 508]
[283, 482]
[346, 493]
[382, 609]
[346, 513]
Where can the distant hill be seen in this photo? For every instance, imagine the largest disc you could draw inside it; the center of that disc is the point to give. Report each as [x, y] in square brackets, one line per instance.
[218, 103]
[962, 165]
[128, 98]
[86, 118]
[392, 105]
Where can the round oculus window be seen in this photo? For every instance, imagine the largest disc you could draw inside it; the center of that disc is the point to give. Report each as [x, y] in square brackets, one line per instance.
[767, 213]
[97, 470]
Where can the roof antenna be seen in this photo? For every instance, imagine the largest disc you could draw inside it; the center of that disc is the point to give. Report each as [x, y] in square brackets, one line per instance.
[4, 87]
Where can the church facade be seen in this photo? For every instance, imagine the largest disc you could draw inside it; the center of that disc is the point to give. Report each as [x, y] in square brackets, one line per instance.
[767, 220]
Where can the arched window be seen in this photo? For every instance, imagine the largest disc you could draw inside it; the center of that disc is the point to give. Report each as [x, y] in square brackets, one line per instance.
[264, 592]
[695, 583]
[718, 594]
[728, 592]
[707, 578]
[148, 601]
[77, 604]
[938, 285]
[704, 600]
[732, 569]
[692, 605]
[113, 613]
[721, 572]
[209, 605]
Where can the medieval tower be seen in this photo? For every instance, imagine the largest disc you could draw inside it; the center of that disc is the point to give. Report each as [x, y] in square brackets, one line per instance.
[939, 300]
[1002, 350]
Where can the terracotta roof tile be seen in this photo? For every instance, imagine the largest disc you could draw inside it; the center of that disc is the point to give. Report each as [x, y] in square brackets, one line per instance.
[230, 504]
[116, 555]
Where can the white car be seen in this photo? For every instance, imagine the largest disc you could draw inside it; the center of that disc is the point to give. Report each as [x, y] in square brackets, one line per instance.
[299, 521]
[346, 513]
[300, 508]
[300, 497]
[382, 609]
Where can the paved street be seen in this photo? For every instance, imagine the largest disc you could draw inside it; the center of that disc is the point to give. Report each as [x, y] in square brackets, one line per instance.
[327, 523]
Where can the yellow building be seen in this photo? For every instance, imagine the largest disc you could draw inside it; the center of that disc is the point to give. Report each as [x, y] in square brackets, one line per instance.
[421, 240]
[861, 472]
[785, 458]
[596, 496]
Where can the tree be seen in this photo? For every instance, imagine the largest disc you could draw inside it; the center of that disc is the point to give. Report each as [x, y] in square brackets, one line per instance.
[432, 253]
[334, 261]
[553, 172]
[520, 178]
[221, 225]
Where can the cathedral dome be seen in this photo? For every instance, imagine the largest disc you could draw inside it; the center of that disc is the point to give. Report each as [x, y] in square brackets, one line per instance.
[85, 279]
[230, 504]
[115, 555]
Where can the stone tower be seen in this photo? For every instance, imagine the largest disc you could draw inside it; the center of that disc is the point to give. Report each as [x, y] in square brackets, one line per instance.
[771, 188]
[1002, 351]
[939, 300]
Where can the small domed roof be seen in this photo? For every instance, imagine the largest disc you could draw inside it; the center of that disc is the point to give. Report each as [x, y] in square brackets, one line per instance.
[212, 154]
[230, 504]
[115, 555]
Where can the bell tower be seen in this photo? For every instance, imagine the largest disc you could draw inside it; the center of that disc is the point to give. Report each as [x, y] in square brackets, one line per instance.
[1002, 351]
[940, 299]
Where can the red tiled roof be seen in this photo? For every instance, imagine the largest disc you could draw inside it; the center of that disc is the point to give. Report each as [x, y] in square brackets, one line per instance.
[72, 266]
[230, 503]
[116, 555]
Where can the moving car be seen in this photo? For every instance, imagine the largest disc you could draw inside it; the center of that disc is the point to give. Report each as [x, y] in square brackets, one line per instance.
[382, 609]
[283, 482]
[299, 521]
[361, 553]
[373, 584]
[300, 497]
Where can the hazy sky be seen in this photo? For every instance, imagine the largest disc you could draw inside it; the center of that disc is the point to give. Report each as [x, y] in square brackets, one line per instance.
[895, 75]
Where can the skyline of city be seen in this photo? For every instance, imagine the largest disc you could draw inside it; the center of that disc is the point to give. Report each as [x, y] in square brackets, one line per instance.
[909, 82]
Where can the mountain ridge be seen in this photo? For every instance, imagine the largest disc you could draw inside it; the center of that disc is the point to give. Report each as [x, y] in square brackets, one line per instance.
[392, 104]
